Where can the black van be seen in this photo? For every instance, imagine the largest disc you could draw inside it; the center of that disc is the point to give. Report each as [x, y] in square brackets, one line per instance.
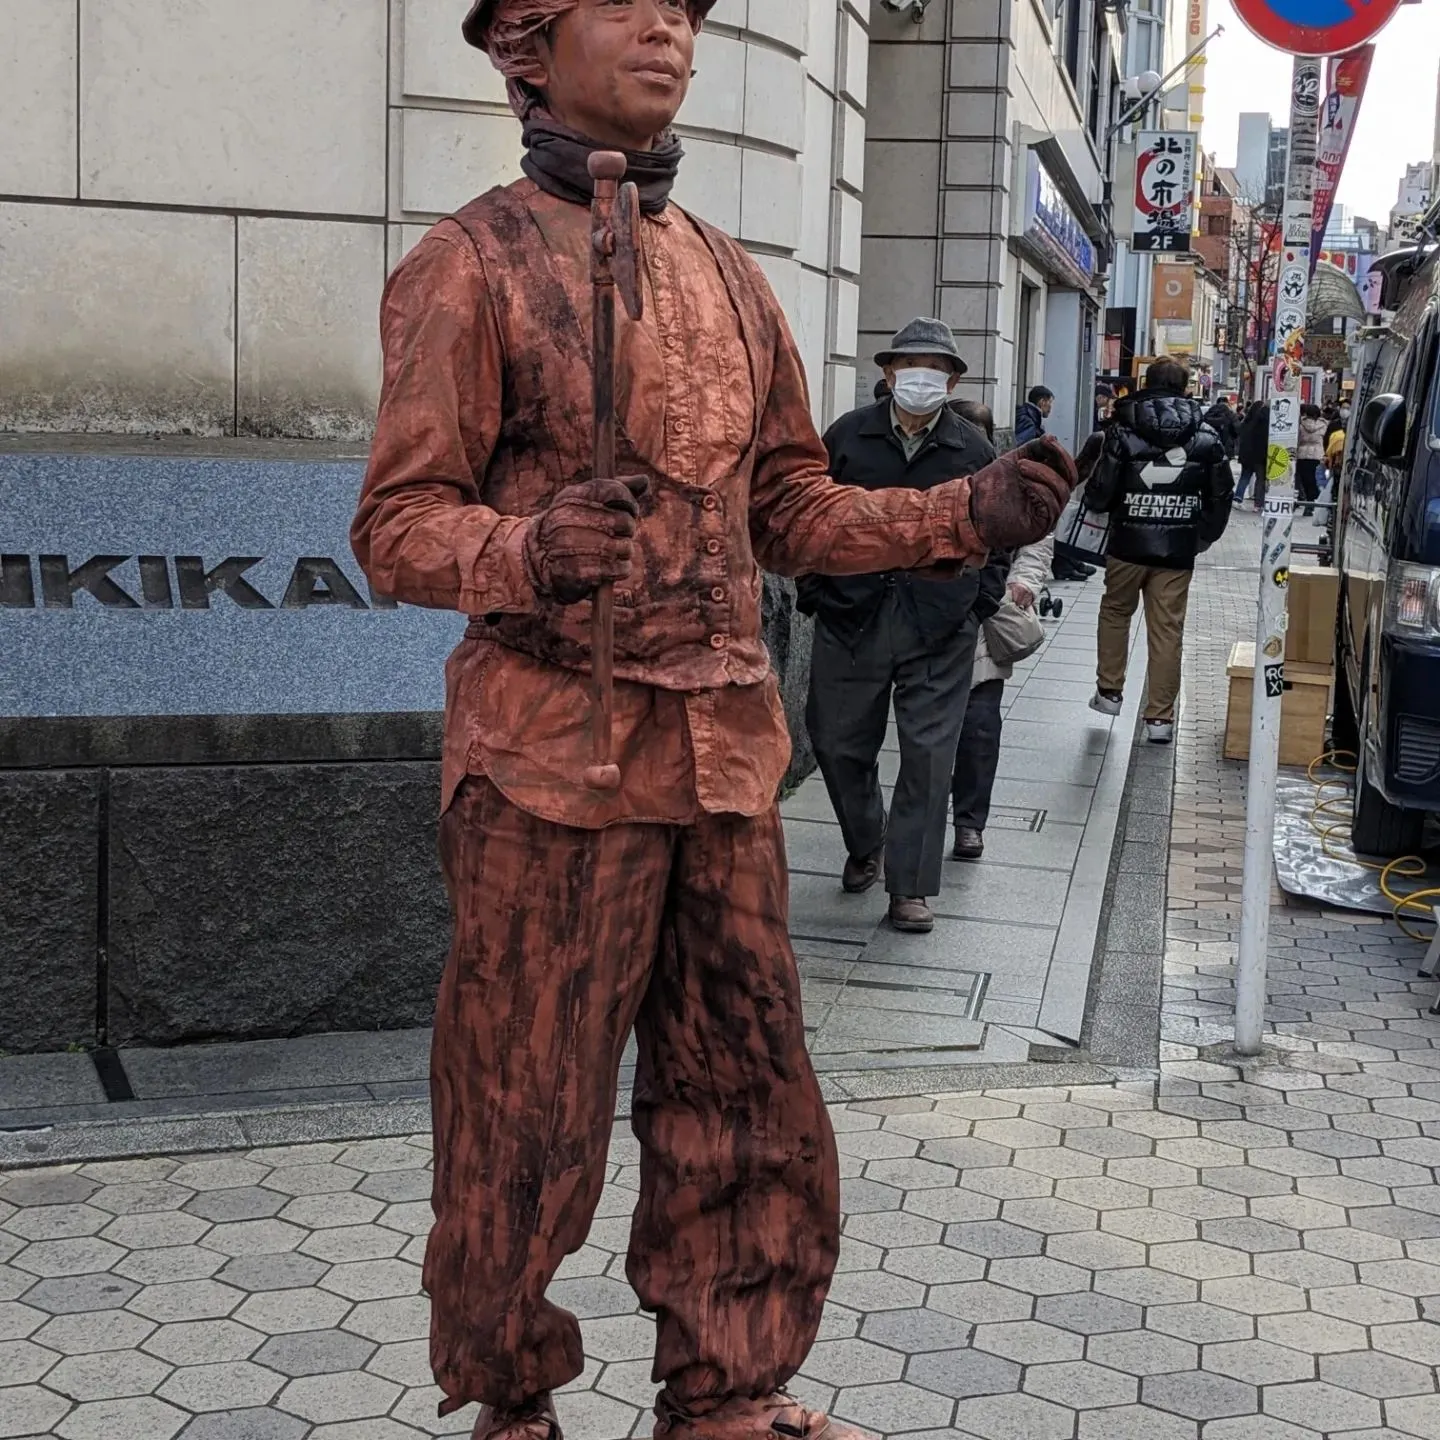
[1387, 691]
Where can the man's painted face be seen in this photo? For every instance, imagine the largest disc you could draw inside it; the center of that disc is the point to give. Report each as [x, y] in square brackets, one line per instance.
[619, 70]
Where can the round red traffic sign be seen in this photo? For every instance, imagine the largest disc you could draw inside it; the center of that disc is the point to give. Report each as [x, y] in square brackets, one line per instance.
[1316, 27]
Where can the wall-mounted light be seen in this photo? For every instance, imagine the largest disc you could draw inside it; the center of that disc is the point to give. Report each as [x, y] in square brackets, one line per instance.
[1137, 87]
[915, 7]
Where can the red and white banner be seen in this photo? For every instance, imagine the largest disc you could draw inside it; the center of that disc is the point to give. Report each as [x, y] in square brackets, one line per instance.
[1348, 75]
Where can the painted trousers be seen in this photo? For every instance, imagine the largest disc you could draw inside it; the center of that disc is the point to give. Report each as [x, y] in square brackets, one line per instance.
[564, 940]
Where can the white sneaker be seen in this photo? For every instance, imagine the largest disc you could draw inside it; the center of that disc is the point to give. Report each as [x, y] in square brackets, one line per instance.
[1107, 704]
[1160, 732]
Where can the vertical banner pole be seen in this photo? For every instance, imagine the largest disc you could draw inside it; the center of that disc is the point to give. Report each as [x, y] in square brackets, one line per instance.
[1292, 297]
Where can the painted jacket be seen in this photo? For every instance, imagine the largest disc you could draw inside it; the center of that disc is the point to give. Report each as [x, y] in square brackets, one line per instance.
[485, 413]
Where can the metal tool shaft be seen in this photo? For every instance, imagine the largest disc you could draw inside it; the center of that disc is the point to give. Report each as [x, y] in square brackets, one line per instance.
[607, 169]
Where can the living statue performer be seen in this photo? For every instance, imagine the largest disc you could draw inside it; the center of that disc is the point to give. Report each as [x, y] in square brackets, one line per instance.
[587, 902]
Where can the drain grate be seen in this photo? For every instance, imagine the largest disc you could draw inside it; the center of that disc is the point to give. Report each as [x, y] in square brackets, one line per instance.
[1007, 817]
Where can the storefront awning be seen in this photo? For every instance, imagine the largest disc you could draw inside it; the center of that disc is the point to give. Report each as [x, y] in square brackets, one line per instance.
[1333, 295]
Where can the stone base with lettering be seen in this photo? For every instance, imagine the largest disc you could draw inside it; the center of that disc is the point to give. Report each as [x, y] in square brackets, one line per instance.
[199, 685]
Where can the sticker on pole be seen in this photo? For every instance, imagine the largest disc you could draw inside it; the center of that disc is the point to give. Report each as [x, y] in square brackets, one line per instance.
[1316, 27]
[1277, 462]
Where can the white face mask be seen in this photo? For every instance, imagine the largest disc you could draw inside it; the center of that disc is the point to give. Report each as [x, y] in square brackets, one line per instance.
[920, 392]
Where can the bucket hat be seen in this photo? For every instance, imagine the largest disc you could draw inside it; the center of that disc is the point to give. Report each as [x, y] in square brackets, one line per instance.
[924, 337]
[482, 12]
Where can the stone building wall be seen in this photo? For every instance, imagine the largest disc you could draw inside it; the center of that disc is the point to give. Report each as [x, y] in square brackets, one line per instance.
[956, 102]
[202, 198]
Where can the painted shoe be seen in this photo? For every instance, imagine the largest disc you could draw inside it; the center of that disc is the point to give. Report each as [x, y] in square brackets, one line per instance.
[1107, 702]
[534, 1420]
[772, 1417]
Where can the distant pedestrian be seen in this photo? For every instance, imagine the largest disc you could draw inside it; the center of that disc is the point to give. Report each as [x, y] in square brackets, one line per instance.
[1310, 456]
[1165, 481]
[896, 634]
[1252, 449]
[979, 415]
[1335, 454]
[1225, 423]
[1031, 417]
[1104, 403]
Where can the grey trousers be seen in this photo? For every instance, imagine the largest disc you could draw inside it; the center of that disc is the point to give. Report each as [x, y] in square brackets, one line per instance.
[848, 714]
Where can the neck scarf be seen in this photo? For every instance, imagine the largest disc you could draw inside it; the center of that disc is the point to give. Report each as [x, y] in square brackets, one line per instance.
[556, 158]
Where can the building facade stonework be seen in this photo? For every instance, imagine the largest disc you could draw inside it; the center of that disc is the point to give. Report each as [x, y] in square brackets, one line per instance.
[202, 200]
[987, 156]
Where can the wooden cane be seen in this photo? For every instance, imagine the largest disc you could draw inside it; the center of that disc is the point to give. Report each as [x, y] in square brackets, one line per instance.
[607, 169]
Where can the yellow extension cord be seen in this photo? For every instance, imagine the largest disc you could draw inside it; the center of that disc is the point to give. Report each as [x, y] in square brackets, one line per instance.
[1339, 810]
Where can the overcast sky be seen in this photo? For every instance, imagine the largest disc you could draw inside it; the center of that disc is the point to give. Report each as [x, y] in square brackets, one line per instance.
[1397, 118]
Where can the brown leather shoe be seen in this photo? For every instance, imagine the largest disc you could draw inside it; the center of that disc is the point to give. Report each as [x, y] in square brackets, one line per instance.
[771, 1417]
[969, 843]
[911, 914]
[861, 875]
[534, 1420]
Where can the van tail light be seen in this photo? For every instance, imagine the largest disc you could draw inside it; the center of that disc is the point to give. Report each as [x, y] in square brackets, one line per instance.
[1412, 601]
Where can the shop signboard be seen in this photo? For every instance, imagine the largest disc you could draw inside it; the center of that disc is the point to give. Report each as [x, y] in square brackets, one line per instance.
[1053, 231]
[1164, 191]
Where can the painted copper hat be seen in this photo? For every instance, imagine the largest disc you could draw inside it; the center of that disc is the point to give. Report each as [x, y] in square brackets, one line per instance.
[482, 12]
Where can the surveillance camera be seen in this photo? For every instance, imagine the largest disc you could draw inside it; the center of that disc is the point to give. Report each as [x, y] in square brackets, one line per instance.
[915, 7]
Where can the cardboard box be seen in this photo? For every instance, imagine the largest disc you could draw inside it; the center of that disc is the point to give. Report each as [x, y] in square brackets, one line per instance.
[1303, 711]
[1314, 599]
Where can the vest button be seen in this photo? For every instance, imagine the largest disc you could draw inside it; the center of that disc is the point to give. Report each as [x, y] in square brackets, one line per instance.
[718, 594]
[710, 503]
[717, 642]
[712, 547]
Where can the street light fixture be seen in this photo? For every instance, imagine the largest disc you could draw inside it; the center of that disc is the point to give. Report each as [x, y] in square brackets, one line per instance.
[1141, 86]
[915, 7]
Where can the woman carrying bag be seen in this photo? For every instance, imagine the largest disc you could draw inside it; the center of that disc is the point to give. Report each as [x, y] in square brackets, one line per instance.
[1010, 634]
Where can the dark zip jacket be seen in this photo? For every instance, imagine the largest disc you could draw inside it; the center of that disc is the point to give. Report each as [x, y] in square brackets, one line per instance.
[1164, 478]
[1226, 424]
[864, 451]
[1029, 423]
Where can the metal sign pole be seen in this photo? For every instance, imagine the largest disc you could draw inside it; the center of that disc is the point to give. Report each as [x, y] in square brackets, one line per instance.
[1292, 296]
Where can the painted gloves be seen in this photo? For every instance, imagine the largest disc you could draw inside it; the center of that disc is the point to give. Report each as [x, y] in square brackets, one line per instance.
[583, 540]
[1017, 499]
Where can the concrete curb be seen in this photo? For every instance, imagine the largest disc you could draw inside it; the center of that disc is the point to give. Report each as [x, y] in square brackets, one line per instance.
[1072, 974]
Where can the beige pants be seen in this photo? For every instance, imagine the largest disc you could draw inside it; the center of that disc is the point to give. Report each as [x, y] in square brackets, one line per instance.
[1167, 594]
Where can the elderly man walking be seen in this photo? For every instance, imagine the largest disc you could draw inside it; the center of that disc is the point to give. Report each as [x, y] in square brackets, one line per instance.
[892, 635]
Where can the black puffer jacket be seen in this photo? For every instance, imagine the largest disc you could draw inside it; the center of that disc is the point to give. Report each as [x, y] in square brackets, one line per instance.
[1226, 424]
[1165, 480]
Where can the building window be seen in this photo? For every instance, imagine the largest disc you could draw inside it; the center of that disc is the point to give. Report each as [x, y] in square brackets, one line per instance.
[1098, 69]
[1067, 36]
[1072, 40]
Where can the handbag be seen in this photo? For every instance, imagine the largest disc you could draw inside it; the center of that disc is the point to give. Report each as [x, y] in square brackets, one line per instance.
[1013, 634]
[1084, 533]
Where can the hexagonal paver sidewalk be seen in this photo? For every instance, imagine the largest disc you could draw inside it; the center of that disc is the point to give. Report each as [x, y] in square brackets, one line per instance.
[1207, 1254]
